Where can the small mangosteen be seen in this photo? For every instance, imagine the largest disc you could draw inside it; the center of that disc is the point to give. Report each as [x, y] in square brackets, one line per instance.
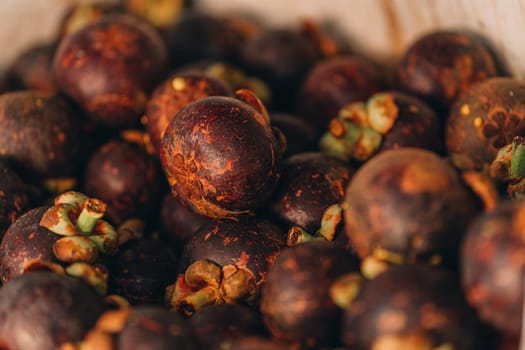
[155, 328]
[109, 67]
[178, 223]
[32, 70]
[412, 307]
[493, 266]
[440, 66]
[67, 238]
[125, 177]
[40, 135]
[301, 135]
[217, 326]
[408, 205]
[141, 271]
[310, 183]
[280, 56]
[14, 196]
[43, 310]
[225, 261]
[333, 83]
[387, 120]
[483, 120]
[221, 156]
[296, 302]
[172, 95]
[196, 36]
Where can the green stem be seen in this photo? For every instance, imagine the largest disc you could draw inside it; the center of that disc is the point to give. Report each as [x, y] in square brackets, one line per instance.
[194, 302]
[92, 211]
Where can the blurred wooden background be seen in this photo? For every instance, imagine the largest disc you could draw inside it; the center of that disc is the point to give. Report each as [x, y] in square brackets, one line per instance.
[378, 28]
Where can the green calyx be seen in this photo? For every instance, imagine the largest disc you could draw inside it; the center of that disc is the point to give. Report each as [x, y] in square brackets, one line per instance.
[517, 159]
[79, 219]
[357, 132]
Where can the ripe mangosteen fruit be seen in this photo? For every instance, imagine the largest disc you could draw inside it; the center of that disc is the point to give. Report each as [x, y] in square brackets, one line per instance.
[141, 271]
[412, 307]
[109, 67]
[387, 120]
[217, 326]
[483, 120]
[492, 268]
[172, 95]
[32, 70]
[333, 83]
[408, 205]
[14, 196]
[310, 183]
[296, 302]
[126, 178]
[40, 135]
[225, 261]
[43, 310]
[221, 156]
[440, 66]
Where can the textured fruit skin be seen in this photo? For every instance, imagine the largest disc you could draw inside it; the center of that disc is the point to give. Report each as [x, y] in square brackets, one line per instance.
[440, 66]
[220, 157]
[155, 328]
[413, 307]
[220, 324]
[14, 197]
[296, 303]
[486, 118]
[310, 182]
[25, 241]
[174, 94]
[410, 202]
[109, 66]
[417, 125]
[142, 270]
[250, 242]
[42, 310]
[492, 266]
[40, 135]
[126, 178]
[331, 84]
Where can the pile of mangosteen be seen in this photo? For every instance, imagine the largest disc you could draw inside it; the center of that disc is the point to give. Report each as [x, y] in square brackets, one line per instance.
[173, 179]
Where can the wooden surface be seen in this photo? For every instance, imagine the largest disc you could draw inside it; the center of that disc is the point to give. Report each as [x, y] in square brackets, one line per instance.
[379, 28]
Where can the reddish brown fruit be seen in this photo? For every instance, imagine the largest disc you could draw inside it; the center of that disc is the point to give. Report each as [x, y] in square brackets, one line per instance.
[487, 117]
[221, 157]
[493, 266]
[333, 83]
[142, 270]
[441, 66]
[14, 197]
[174, 94]
[40, 135]
[155, 329]
[296, 302]
[109, 67]
[408, 205]
[301, 135]
[42, 310]
[219, 325]
[310, 183]
[126, 178]
[32, 70]
[177, 222]
[412, 307]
